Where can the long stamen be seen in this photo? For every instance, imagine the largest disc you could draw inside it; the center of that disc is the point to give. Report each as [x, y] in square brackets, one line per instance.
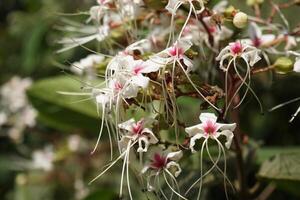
[168, 184]
[101, 129]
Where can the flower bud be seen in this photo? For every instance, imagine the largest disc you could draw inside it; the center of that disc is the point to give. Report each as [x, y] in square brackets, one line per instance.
[240, 20]
[230, 12]
[283, 65]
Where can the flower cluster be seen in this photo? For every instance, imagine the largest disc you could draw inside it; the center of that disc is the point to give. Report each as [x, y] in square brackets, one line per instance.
[16, 113]
[144, 78]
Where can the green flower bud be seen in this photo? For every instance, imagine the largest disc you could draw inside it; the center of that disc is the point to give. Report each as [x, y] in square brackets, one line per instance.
[283, 65]
[229, 12]
[240, 20]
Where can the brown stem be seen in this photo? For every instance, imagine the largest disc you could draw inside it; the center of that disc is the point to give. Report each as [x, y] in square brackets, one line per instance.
[261, 70]
[210, 36]
[266, 192]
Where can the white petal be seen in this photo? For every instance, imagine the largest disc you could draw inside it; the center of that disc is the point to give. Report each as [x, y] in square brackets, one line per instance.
[193, 130]
[174, 155]
[189, 64]
[267, 38]
[140, 80]
[143, 144]
[223, 127]
[176, 165]
[229, 136]
[127, 125]
[193, 141]
[185, 44]
[123, 143]
[150, 134]
[173, 5]
[208, 116]
[151, 66]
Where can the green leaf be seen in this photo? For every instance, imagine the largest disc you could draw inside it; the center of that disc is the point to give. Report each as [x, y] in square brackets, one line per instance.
[102, 194]
[283, 170]
[267, 152]
[284, 166]
[60, 111]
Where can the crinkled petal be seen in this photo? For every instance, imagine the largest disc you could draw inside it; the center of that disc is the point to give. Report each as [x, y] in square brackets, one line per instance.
[127, 125]
[143, 144]
[229, 136]
[223, 127]
[174, 155]
[152, 138]
[189, 64]
[194, 139]
[175, 165]
[173, 5]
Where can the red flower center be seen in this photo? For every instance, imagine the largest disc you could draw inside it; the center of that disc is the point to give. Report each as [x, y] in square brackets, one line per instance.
[137, 69]
[138, 127]
[256, 42]
[212, 29]
[236, 48]
[158, 161]
[118, 86]
[210, 128]
[176, 51]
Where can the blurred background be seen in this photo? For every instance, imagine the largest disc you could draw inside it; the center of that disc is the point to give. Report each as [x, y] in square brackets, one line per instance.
[46, 138]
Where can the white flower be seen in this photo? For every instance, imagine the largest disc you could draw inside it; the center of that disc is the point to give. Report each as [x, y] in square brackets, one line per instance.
[209, 128]
[13, 93]
[126, 75]
[164, 160]
[136, 131]
[173, 5]
[87, 65]
[197, 33]
[174, 54]
[239, 49]
[257, 38]
[43, 159]
[28, 116]
[130, 9]
[142, 46]
[163, 163]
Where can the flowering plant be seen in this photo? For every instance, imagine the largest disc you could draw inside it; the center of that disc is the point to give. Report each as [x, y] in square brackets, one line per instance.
[152, 53]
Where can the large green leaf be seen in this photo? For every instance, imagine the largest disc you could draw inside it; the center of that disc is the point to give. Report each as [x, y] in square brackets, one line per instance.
[265, 153]
[64, 112]
[284, 170]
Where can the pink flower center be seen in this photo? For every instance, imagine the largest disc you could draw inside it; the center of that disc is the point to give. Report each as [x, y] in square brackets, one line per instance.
[256, 42]
[137, 69]
[236, 48]
[158, 161]
[210, 128]
[176, 51]
[118, 86]
[212, 29]
[138, 127]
